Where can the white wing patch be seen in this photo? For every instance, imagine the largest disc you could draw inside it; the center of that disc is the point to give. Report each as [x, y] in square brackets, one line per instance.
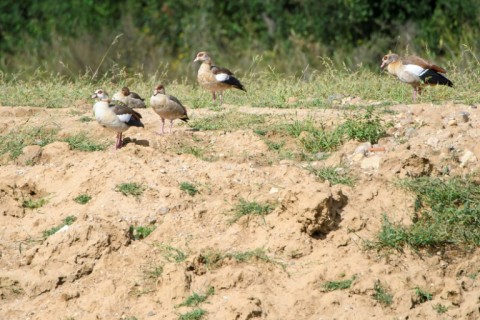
[414, 69]
[222, 77]
[124, 117]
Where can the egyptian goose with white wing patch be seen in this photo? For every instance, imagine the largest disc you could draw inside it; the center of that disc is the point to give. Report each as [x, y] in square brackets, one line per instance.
[415, 71]
[167, 107]
[215, 79]
[131, 99]
[114, 115]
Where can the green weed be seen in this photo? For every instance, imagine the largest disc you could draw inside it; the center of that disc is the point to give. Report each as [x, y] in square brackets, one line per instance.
[338, 285]
[336, 175]
[34, 204]
[422, 295]
[82, 199]
[244, 208]
[382, 295]
[85, 119]
[130, 189]
[195, 299]
[188, 188]
[440, 308]
[369, 127]
[140, 232]
[196, 314]
[66, 222]
[82, 142]
[172, 254]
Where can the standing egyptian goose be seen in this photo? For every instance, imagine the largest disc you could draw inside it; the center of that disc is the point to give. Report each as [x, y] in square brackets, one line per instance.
[115, 115]
[215, 79]
[131, 99]
[167, 107]
[415, 71]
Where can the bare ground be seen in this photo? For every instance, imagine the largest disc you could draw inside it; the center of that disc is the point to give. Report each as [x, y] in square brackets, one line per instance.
[95, 270]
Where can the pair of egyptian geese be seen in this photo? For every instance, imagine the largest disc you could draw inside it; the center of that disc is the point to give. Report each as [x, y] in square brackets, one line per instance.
[118, 115]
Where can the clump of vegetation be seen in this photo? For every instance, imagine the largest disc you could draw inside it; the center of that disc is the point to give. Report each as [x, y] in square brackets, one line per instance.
[188, 188]
[130, 189]
[34, 204]
[82, 142]
[382, 295]
[82, 199]
[140, 232]
[227, 121]
[195, 299]
[446, 213]
[154, 272]
[440, 308]
[197, 151]
[196, 314]
[369, 127]
[85, 119]
[244, 208]
[172, 254]
[338, 285]
[66, 222]
[213, 258]
[423, 296]
[336, 175]
[14, 142]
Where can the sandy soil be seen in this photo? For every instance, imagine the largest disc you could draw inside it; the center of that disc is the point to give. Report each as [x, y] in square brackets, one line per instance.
[95, 270]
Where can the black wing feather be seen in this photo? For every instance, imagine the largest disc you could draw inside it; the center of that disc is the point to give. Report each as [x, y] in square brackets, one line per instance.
[432, 77]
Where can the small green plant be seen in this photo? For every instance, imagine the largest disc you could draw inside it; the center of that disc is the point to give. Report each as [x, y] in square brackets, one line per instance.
[382, 295]
[336, 175]
[66, 222]
[140, 232]
[82, 199]
[196, 314]
[154, 272]
[195, 299]
[338, 285]
[322, 139]
[34, 204]
[82, 142]
[85, 119]
[370, 127]
[440, 308]
[130, 189]
[188, 188]
[275, 146]
[422, 295]
[172, 254]
[244, 208]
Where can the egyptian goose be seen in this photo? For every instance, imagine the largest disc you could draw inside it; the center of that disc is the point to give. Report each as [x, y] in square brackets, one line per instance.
[415, 71]
[115, 115]
[167, 107]
[215, 79]
[131, 99]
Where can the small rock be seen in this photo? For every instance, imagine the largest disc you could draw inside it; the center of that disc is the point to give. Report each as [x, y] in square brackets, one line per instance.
[363, 148]
[63, 229]
[410, 132]
[467, 158]
[433, 142]
[150, 314]
[163, 210]
[273, 190]
[371, 163]
[151, 220]
[452, 122]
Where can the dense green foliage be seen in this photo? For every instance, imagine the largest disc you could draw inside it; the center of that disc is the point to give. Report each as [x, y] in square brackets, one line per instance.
[287, 34]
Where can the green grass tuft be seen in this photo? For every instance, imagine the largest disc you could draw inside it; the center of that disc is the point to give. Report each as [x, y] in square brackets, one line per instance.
[440, 308]
[244, 208]
[423, 296]
[336, 175]
[34, 204]
[196, 314]
[85, 119]
[82, 199]
[195, 299]
[66, 222]
[369, 127]
[130, 189]
[228, 121]
[82, 142]
[338, 285]
[172, 254]
[188, 188]
[140, 232]
[382, 295]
